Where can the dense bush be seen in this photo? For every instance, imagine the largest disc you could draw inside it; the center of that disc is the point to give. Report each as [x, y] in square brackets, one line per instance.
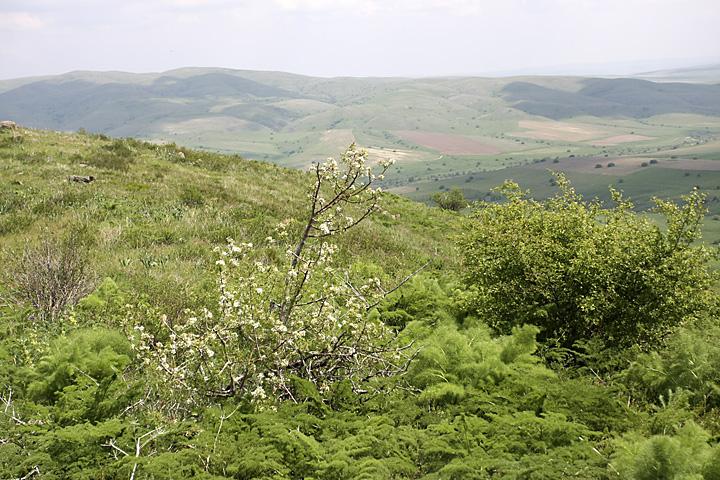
[580, 271]
[660, 457]
[453, 200]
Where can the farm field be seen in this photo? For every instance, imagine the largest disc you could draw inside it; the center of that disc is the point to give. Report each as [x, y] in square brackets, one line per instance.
[448, 144]
[471, 132]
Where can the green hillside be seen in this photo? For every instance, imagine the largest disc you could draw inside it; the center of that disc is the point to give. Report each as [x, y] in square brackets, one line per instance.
[294, 120]
[145, 200]
[629, 98]
[533, 339]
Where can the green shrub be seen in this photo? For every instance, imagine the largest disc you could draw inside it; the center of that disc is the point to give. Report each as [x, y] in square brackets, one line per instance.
[579, 271]
[453, 200]
[87, 358]
[115, 156]
[689, 364]
[423, 299]
[662, 457]
[501, 410]
[192, 197]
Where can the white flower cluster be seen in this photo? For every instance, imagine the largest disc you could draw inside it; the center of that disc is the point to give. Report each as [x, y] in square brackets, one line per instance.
[336, 189]
[301, 317]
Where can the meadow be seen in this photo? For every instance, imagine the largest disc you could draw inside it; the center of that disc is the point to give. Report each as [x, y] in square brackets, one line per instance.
[138, 231]
[147, 285]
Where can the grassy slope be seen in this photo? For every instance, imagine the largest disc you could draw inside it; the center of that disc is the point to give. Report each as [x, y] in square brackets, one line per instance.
[295, 120]
[154, 217]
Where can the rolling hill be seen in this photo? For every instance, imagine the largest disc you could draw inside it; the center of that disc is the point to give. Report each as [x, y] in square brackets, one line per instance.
[630, 98]
[442, 131]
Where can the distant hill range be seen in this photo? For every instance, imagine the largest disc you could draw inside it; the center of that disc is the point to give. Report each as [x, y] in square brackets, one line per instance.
[703, 74]
[620, 97]
[444, 130]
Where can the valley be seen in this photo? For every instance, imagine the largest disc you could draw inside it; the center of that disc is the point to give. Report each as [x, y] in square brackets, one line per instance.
[658, 137]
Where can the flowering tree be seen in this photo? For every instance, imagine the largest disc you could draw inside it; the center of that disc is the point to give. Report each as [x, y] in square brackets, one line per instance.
[277, 321]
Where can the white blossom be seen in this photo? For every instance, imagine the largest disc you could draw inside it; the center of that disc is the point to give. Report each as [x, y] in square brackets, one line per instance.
[318, 306]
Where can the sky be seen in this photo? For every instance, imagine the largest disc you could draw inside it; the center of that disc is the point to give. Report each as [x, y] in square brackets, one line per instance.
[359, 38]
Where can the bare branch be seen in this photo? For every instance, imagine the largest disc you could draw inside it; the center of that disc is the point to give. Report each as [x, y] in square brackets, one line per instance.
[86, 375]
[32, 472]
[400, 284]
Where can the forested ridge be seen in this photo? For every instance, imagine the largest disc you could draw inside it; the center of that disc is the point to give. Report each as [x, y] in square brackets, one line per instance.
[170, 313]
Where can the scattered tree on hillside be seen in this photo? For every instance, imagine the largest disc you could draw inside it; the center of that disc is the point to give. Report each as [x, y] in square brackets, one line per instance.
[579, 271]
[453, 200]
[286, 312]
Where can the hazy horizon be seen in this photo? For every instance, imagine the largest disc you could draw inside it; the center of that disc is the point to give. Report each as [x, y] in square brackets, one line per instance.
[587, 69]
[331, 38]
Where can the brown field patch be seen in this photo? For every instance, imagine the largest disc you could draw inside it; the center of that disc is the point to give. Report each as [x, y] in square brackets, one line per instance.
[610, 141]
[623, 166]
[568, 132]
[688, 164]
[449, 144]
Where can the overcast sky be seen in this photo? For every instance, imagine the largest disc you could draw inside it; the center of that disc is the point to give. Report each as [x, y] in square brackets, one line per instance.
[354, 37]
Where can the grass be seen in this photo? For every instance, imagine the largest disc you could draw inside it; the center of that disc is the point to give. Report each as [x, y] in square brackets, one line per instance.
[154, 213]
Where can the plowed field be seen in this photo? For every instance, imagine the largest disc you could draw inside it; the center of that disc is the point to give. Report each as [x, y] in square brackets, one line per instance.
[449, 144]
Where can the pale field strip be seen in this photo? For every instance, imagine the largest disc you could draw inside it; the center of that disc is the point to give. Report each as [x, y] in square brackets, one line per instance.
[401, 190]
[623, 166]
[572, 132]
[338, 140]
[560, 131]
[688, 164]
[612, 141]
